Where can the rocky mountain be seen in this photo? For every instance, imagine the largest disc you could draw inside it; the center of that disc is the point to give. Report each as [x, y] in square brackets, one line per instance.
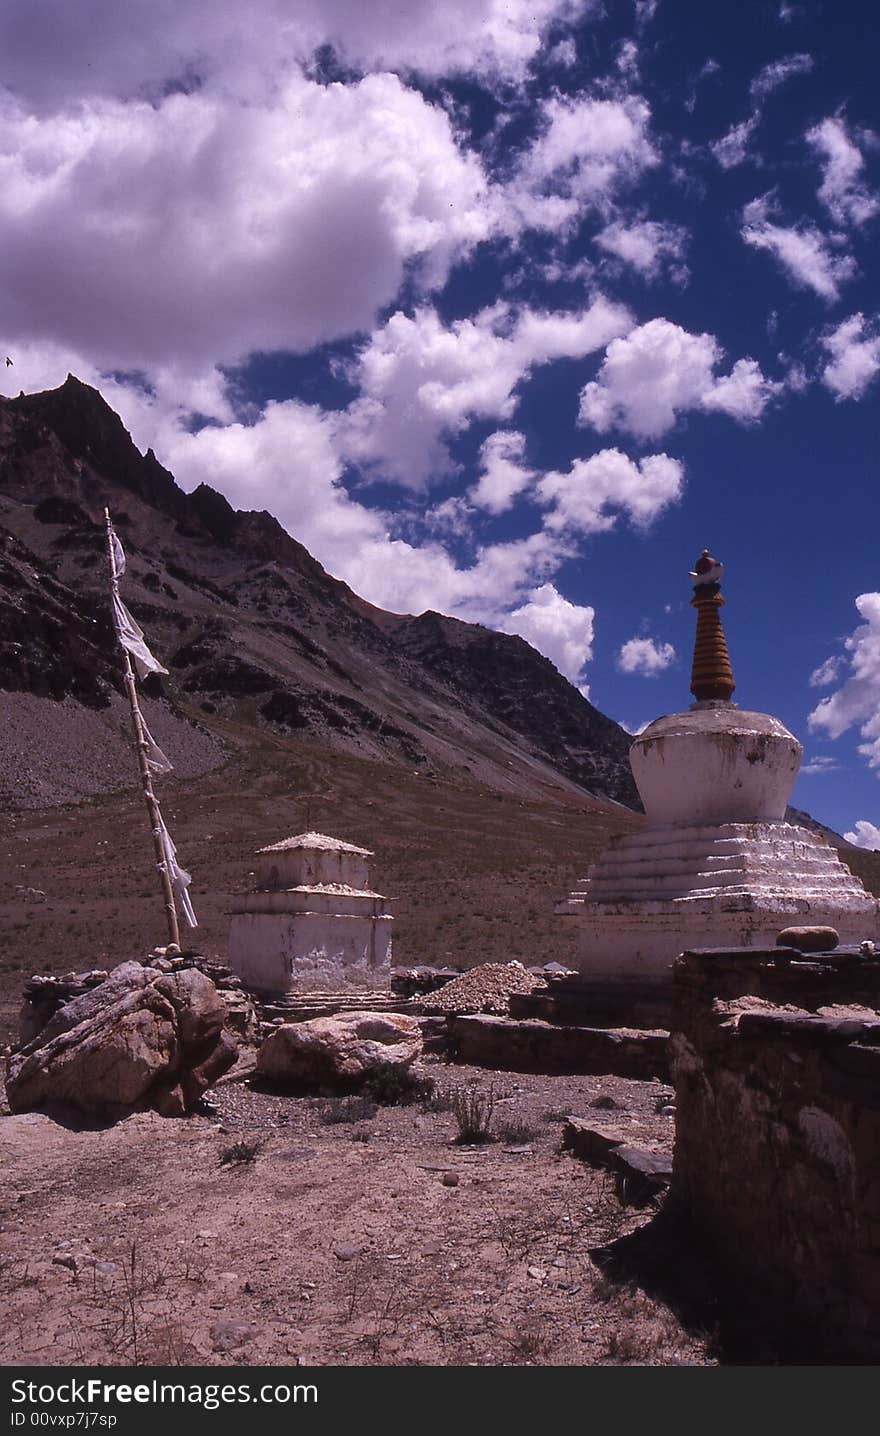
[255, 634]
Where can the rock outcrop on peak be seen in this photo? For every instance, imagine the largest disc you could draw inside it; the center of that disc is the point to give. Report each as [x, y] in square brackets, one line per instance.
[251, 626]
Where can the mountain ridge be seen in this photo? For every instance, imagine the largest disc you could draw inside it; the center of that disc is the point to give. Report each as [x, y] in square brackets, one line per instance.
[250, 624]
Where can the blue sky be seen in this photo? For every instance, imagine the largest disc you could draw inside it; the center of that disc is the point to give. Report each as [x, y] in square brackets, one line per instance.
[504, 307]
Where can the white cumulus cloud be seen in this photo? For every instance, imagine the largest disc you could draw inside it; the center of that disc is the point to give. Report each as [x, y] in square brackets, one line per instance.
[563, 53]
[733, 148]
[857, 701]
[288, 462]
[646, 245]
[52, 51]
[842, 191]
[827, 673]
[854, 347]
[589, 496]
[503, 475]
[659, 371]
[820, 764]
[152, 414]
[864, 835]
[561, 630]
[806, 255]
[778, 72]
[585, 151]
[197, 230]
[645, 656]
[422, 381]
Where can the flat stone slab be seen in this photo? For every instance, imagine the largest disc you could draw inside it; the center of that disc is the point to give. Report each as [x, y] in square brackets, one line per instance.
[642, 1165]
[592, 1141]
[811, 1027]
[547, 1047]
[605, 1146]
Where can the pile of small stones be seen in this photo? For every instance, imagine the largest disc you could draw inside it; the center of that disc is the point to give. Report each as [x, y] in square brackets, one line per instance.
[222, 976]
[44, 995]
[487, 988]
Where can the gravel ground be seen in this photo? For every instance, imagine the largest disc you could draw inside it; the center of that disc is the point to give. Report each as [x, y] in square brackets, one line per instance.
[275, 1230]
[63, 752]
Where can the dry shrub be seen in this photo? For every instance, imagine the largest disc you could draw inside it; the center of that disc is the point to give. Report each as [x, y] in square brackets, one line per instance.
[399, 1087]
[338, 1110]
[242, 1152]
[516, 1129]
[472, 1108]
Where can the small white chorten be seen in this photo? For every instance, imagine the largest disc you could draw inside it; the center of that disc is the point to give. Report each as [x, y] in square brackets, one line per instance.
[716, 864]
[313, 923]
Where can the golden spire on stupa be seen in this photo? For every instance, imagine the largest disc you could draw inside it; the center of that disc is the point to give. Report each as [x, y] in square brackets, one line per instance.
[711, 675]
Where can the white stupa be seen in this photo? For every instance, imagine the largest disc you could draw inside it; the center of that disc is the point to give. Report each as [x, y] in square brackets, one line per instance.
[312, 923]
[716, 864]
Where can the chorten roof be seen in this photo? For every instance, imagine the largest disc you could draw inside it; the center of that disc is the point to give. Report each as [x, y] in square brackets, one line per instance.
[317, 842]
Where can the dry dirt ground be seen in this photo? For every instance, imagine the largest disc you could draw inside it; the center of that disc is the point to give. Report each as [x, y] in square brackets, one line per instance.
[376, 1241]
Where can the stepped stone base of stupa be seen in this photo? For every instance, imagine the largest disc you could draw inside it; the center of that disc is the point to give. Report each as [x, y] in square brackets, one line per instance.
[657, 893]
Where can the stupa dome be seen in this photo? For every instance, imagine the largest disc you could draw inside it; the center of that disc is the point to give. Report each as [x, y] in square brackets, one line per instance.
[715, 764]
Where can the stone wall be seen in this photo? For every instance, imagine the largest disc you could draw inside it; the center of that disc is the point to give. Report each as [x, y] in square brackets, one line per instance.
[546, 1047]
[776, 1065]
[581, 1001]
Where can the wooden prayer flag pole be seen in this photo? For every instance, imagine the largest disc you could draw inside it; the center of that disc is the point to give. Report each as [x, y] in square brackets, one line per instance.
[142, 748]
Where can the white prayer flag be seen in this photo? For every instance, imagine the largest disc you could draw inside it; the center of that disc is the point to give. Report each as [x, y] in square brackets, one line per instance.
[156, 759]
[118, 554]
[180, 878]
[131, 636]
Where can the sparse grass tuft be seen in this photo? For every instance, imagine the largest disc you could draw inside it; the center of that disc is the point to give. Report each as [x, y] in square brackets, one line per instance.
[473, 1108]
[241, 1152]
[437, 1100]
[642, 1332]
[531, 1344]
[516, 1130]
[399, 1087]
[338, 1110]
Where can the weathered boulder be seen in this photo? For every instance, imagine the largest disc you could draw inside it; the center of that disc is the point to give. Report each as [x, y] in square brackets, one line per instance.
[178, 1098]
[809, 939]
[44, 995]
[200, 1009]
[241, 1016]
[125, 1043]
[339, 1051]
